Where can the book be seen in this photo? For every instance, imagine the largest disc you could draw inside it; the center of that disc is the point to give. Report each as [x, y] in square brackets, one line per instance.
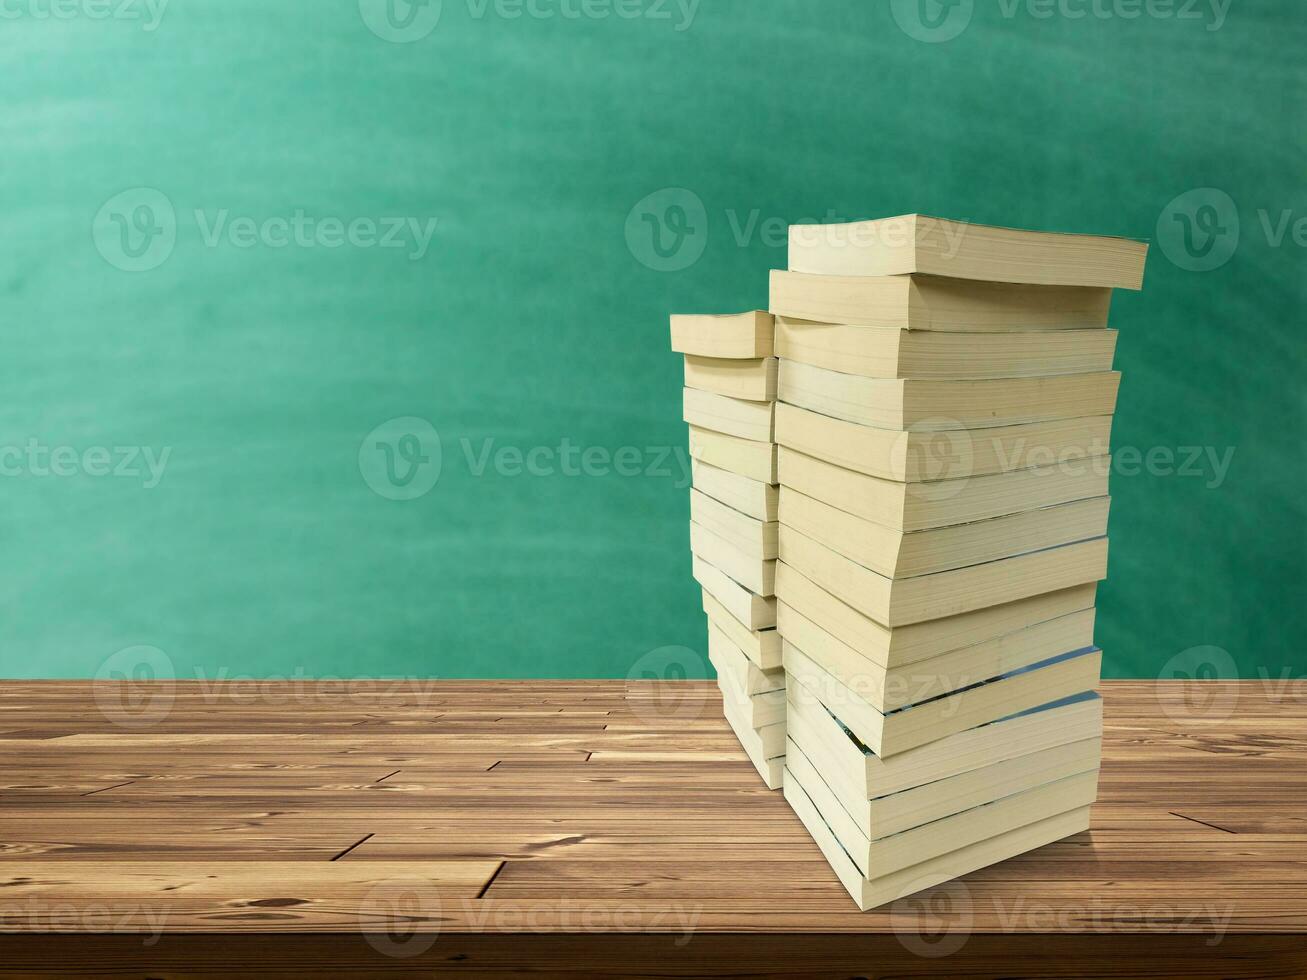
[912, 457]
[918, 243]
[754, 380]
[900, 602]
[756, 575]
[931, 406]
[877, 858]
[746, 457]
[760, 646]
[894, 647]
[938, 503]
[753, 537]
[937, 303]
[733, 416]
[870, 894]
[1045, 726]
[764, 748]
[752, 497]
[891, 352]
[889, 733]
[743, 335]
[753, 611]
[903, 554]
[891, 814]
[758, 711]
[890, 688]
[761, 743]
[732, 662]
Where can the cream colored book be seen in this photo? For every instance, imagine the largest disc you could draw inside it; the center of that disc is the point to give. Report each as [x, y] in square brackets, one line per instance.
[937, 303]
[946, 455]
[1046, 726]
[899, 646]
[888, 689]
[761, 646]
[770, 768]
[746, 457]
[761, 744]
[766, 741]
[771, 771]
[890, 352]
[764, 748]
[936, 406]
[752, 420]
[888, 734]
[752, 497]
[877, 858]
[756, 575]
[741, 335]
[870, 894]
[897, 812]
[731, 661]
[753, 611]
[940, 503]
[903, 554]
[900, 602]
[755, 710]
[733, 377]
[753, 537]
[919, 243]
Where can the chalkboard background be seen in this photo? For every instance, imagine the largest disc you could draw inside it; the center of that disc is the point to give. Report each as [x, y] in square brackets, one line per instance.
[157, 297]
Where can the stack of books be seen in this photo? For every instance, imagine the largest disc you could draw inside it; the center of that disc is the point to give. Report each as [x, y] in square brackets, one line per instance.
[945, 396]
[730, 405]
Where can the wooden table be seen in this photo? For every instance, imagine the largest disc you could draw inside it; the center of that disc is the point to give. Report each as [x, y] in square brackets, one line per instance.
[418, 828]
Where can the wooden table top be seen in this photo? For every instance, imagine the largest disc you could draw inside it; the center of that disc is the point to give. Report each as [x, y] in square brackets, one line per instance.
[394, 809]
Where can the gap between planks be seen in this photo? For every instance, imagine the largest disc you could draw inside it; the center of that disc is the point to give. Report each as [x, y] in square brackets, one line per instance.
[491, 880]
[354, 845]
[106, 789]
[1203, 822]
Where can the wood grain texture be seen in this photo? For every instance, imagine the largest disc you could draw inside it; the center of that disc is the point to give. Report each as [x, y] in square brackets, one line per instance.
[604, 815]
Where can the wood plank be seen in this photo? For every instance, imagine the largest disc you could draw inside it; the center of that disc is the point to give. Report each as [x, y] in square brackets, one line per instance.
[264, 814]
[280, 896]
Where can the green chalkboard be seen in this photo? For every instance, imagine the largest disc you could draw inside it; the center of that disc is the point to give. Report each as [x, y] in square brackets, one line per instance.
[262, 418]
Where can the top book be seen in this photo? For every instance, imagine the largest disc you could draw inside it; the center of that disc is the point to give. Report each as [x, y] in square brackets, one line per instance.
[935, 246]
[731, 335]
